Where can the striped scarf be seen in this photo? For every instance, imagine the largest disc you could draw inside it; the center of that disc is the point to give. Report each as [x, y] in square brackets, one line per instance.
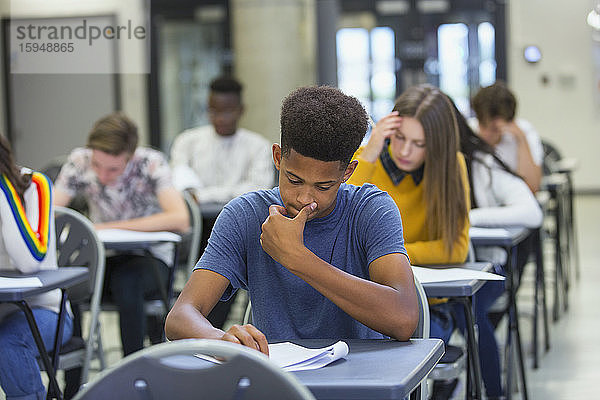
[37, 241]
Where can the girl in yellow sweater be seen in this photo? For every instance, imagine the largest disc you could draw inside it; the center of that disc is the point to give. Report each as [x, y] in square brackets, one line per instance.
[413, 155]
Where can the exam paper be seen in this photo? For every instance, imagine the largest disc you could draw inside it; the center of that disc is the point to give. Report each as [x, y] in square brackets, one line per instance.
[432, 275]
[292, 357]
[12, 283]
[124, 235]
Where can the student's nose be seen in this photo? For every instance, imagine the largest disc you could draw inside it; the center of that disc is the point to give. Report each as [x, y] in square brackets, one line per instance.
[305, 197]
[405, 149]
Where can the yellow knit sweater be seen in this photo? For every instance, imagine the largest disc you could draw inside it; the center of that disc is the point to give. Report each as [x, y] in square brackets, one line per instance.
[412, 206]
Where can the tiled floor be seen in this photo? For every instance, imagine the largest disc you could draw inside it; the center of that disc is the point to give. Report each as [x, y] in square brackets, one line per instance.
[570, 369]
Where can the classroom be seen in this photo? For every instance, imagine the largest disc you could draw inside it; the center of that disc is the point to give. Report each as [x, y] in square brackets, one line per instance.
[396, 174]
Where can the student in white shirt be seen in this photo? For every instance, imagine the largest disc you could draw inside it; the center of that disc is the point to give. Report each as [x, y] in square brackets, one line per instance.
[514, 140]
[499, 198]
[221, 161]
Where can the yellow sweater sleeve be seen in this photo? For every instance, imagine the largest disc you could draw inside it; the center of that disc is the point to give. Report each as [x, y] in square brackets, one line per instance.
[434, 251]
[363, 172]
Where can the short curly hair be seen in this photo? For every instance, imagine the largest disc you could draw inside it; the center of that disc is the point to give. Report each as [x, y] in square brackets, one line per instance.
[323, 123]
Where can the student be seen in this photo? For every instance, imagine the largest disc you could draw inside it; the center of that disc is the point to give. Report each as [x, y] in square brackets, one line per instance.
[126, 187]
[221, 161]
[515, 141]
[27, 245]
[413, 155]
[500, 198]
[320, 258]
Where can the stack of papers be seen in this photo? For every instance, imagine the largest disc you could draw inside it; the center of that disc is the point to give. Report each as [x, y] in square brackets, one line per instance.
[12, 283]
[434, 275]
[292, 357]
[124, 235]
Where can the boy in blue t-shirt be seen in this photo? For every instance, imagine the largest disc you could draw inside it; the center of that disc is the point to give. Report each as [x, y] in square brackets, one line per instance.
[319, 258]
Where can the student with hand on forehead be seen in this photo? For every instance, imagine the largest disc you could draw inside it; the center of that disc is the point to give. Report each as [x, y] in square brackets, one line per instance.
[319, 258]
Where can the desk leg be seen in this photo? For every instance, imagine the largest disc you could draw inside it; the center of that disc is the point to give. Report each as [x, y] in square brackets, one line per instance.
[557, 259]
[53, 389]
[474, 370]
[574, 247]
[513, 328]
[59, 330]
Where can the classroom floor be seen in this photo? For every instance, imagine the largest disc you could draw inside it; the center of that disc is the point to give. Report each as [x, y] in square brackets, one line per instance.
[568, 371]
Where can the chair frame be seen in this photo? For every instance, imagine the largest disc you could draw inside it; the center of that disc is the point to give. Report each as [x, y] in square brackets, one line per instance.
[65, 252]
[172, 368]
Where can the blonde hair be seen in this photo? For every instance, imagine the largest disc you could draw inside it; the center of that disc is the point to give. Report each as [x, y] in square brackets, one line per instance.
[444, 191]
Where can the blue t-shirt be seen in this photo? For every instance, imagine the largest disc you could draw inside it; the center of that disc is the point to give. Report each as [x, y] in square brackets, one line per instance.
[364, 225]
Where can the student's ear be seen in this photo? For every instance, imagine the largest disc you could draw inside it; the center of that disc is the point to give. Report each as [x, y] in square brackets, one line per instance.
[276, 155]
[349, 170]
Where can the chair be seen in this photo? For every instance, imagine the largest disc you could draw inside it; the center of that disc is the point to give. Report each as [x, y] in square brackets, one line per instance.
[170, 371]
[78, 245]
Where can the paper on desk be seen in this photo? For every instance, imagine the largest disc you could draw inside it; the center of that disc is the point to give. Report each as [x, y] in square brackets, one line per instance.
[487, 232]
[12, 283]
[433, 275]
[292, 357]
[124, 235]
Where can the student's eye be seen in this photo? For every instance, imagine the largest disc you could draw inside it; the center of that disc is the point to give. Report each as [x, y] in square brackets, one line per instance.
[399, 137]
[324, 188]
[420, 145]
[294, 182]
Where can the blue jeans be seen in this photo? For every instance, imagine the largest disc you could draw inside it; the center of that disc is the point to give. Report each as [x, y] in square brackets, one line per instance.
[19, 372]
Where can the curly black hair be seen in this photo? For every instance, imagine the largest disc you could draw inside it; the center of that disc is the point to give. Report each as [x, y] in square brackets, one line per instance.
[323, 123]
[226, 84]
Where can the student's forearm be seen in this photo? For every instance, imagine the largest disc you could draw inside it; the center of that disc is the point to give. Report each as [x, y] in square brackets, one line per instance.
[527, 169]
[380, 307]
[185, 321]
[151, 223]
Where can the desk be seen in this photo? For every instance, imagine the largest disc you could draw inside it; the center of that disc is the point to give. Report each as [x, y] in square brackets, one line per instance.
[559, 187]
[508, 238]
[61, 278]
[127, 240]
[373, 369]
[462, 292]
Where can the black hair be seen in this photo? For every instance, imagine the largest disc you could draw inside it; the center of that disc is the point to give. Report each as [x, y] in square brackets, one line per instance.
[323, 123]
[226, 84]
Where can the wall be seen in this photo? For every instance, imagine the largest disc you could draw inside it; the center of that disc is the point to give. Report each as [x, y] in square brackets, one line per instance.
[274, 48]
[565, 110]
[133, 85]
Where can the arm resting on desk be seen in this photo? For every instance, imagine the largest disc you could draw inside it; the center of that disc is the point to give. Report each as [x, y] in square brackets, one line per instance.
[174, 216]
[187, 318]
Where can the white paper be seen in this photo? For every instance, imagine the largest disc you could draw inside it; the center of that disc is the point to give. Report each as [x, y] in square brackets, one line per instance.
[12, 283]
[488, 232]
[292, 357]
[433, 275]
[124, 235]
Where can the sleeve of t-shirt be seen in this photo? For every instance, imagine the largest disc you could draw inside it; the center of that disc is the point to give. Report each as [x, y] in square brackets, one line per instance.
[69, 179]
[380, 227]
[160, 171]
[225, 253]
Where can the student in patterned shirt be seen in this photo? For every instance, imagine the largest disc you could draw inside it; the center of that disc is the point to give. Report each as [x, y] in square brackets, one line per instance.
[126, 187]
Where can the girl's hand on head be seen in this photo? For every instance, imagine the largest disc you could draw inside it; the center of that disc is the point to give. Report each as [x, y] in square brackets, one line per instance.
[384, 128]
